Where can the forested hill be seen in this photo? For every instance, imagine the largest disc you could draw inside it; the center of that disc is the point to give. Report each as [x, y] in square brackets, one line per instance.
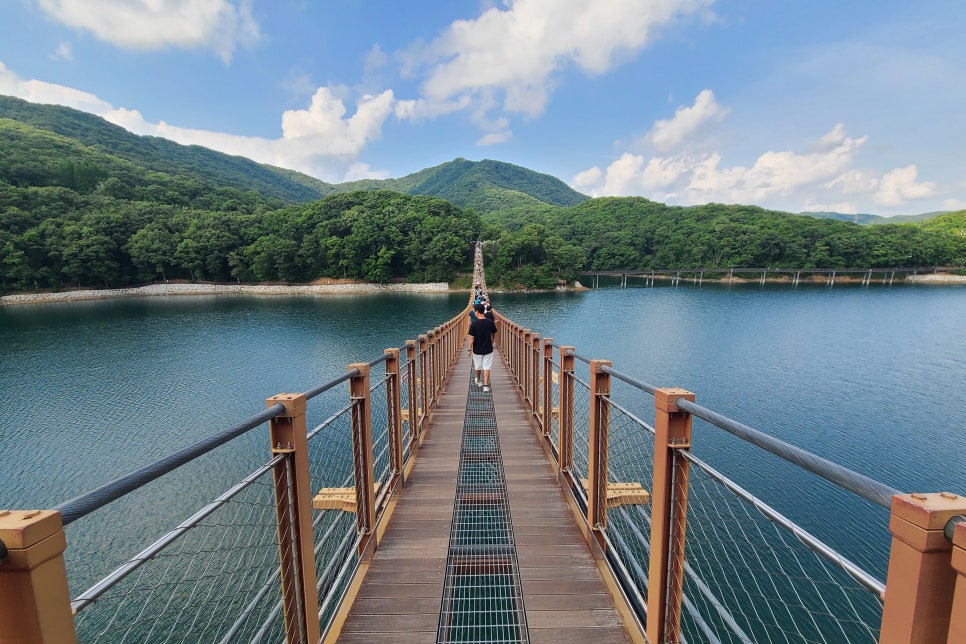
[93, 140]
[485, 186]
[84, 203]
[31, 158]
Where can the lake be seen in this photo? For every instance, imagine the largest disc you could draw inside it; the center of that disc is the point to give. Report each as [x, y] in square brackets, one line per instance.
[869, 377]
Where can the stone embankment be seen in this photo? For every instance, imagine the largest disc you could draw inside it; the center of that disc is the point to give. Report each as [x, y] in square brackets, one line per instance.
[937, 278]
[155, 290]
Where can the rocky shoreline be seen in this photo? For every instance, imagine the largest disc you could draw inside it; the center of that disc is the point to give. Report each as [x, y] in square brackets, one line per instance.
[937, 278]
[352, 288]
[155, 290]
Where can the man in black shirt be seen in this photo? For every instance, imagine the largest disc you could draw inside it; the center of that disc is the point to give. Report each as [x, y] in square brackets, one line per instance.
[482, 330]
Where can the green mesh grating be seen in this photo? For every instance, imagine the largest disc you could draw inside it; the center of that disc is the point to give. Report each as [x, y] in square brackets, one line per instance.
[482, 593]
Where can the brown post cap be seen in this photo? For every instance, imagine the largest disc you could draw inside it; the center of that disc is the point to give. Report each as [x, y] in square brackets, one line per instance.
[21, 529]
[930, 511]
[363, 368]
[595, 365]
[665, 399]
[294, 404]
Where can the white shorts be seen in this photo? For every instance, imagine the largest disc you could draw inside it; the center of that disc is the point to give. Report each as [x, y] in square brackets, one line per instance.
[482, 362]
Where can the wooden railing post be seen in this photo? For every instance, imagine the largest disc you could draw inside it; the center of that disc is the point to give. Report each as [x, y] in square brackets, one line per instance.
[447, 349]
[921, 579]
[546, 410]
[957, 619]
[413, 398]
[430, 370]
[565, 438]
[533, 369]
[293, 512]
[437, 364]
[362, 457]
[597, 458]
[34, 599]
[669, 507]
[394, 416]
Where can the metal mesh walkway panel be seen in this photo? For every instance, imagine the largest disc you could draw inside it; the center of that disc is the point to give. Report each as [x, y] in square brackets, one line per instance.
[482, 593]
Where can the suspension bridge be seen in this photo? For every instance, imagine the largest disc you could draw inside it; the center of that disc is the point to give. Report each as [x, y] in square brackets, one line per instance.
[425, 508]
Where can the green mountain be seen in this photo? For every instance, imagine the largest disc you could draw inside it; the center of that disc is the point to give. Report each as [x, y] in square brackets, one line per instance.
[864, 219]
[94, 138]
[485, 186]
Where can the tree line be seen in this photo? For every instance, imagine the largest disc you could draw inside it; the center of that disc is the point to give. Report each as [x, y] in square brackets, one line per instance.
[619, 233]
[75, 213]
[114, 235]
[55, 237]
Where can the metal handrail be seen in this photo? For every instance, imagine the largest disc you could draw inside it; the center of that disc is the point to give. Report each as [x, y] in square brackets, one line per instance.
[863, 486]
[90, 595]
[86, 503]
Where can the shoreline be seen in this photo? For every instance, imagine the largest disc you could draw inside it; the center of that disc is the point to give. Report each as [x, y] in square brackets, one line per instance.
[354, 288]
[161, 290]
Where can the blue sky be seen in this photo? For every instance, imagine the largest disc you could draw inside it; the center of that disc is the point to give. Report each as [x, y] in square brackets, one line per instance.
[855, 106]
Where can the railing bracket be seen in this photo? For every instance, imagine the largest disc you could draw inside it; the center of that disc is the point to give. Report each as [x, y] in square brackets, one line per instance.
[337, 498]
[623, 493]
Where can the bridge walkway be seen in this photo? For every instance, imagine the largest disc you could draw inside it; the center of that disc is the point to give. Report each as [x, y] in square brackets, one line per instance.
[401, 595]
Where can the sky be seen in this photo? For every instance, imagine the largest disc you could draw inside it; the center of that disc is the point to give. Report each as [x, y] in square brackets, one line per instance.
[852, 106]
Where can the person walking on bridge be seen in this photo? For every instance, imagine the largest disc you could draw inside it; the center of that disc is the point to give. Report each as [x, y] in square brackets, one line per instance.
[482, 330]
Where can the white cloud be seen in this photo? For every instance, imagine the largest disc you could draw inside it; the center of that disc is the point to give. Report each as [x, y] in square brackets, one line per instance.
[40, 92]
[321, 140]
[219, 25]
[494, 138]
[358, 171]
[417, 109]
[853, 182]
[899, 186]
[588, 178]
[376, 58]
[323, 124]
[518, 52]
[844, 207]
[668, 134]
[63, 52]
[623, 176]
[821, 178]
[663, 172]
[954, 204]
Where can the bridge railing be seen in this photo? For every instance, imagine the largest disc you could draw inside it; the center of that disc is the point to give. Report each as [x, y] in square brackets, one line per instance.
[700, 558]
[269, 559]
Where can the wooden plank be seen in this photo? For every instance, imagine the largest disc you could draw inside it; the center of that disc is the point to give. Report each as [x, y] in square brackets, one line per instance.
[564, 596]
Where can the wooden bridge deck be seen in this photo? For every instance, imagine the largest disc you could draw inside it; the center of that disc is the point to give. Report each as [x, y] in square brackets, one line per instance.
[565, 597]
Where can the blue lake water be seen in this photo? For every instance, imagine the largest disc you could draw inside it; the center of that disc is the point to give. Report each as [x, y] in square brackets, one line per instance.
[871, 377]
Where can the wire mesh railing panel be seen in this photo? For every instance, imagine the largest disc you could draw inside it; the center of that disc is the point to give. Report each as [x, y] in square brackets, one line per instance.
[750, 579]
[581, 428]
[554, 422]
[215, 577]
[407, 423]
[630, 464]
[334, 528]
[630, 451]
[379, 406]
